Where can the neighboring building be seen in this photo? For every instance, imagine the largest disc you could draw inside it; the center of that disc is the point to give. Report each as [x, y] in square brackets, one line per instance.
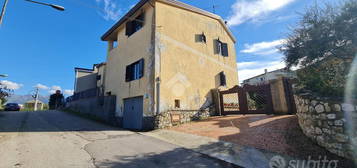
[90, 79]
[267, 76]
[164, 55]
[31, 105]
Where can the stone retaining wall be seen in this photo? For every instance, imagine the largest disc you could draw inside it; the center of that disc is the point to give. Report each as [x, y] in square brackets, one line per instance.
[325, 122]
[171, 118]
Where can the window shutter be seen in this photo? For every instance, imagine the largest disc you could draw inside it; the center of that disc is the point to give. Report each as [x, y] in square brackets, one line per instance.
[128, 73]
[141, 68]
[141, 19]
[224, 49]
[129, 28]
[203, 37]
[222, 78]
[217, 46]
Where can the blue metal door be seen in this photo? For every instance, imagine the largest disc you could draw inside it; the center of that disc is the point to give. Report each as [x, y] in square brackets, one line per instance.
[133, 113]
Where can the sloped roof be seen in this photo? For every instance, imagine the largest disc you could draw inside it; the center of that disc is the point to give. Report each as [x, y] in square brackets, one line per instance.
[169, 2]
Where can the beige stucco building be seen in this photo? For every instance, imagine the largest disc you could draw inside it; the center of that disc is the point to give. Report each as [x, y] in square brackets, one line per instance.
[166, 55]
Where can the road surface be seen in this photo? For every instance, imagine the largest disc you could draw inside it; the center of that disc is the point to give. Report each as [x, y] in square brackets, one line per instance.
[56, 139]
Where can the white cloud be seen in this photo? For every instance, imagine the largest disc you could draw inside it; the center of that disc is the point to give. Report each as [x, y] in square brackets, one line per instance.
[110, 10]
[244, 10]
[68, 92]
[41, 86]
[54, 89]
[263, 48]
[10, 85]
[247, 70]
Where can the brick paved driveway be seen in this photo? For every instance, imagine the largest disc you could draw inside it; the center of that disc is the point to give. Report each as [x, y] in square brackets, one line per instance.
[280, 134]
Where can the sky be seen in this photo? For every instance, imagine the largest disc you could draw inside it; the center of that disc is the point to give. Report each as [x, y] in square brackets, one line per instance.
[40, 46]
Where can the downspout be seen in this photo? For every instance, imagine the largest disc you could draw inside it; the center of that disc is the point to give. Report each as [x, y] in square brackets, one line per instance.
[154, 78]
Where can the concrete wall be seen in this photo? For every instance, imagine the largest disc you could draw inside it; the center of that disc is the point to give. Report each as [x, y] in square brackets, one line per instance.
[101, 81]
[329, 123]
[100, 107]
[129, 50]
[85, 81]
[188, 69]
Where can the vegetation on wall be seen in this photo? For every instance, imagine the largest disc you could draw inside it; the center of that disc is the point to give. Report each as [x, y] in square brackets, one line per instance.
[324, 45]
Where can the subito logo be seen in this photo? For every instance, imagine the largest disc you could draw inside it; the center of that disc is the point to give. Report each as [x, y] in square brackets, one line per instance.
[277, 162]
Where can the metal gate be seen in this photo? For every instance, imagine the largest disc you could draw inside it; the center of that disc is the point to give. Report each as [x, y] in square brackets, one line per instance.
[133, 113]
[247, 100]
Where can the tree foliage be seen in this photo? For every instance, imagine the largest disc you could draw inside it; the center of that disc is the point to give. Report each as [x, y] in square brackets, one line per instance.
[4, 93]
[324, 45]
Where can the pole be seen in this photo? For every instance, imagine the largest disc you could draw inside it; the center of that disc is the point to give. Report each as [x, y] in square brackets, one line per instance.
[36, 99]
[3, 11]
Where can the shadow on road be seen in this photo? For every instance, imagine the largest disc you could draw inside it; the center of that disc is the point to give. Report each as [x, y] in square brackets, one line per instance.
[48, 121]
[178, 157]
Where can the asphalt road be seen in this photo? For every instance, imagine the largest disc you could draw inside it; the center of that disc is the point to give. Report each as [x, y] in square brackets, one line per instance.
[57, 139]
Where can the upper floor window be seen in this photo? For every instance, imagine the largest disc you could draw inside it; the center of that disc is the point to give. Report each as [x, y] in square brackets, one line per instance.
[222, 79]
[221, 48]
[134, 71]
[135, 25]
[200, 38]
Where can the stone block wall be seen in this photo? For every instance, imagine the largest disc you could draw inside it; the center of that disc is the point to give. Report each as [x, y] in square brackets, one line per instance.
[171, 118]
[325, 122]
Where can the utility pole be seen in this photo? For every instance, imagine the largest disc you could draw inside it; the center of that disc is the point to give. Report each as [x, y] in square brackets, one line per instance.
[36, 98]
[57, 7]
[3, 11]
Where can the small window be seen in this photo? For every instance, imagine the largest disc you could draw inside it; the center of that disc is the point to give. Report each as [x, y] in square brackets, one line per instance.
[134, 25]
[177, 103]
[222, 79]
[200, 38]
[220, 48]
[99, 77]
[134, 71]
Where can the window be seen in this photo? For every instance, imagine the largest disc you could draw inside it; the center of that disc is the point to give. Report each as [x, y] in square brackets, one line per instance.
[200, 38]
[177, 103]
[134, 25]
[99, 77]
[134, 71]
[220, 48]
[222, 79]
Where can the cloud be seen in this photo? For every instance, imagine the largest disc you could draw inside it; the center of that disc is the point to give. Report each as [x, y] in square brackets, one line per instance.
[10, 85]
[68, 92]
[41, 86]
[263, 48]
[54, 89]
[247, 70]
[110, 10]
[243, 10]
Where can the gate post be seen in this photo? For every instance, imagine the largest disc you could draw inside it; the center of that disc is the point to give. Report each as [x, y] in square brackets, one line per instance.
[217, 99]
[243, 103]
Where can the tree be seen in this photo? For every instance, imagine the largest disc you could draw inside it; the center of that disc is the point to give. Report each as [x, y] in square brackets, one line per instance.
[4, 93]
[324, 45]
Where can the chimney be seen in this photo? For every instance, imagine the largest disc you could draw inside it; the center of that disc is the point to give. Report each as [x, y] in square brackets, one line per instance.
[265, 71]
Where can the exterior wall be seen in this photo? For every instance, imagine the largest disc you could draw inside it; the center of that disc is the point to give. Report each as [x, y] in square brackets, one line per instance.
[85, 81]
[188, 70]
[265, 78]
[129, 50]
[101, 82]
[102, 108]
[326, 122]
